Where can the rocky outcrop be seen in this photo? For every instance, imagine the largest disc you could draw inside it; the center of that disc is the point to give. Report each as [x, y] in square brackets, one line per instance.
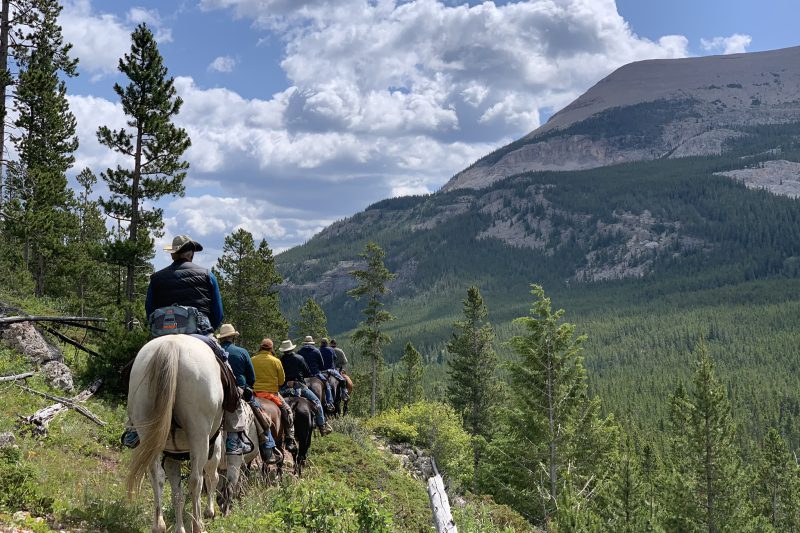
[58, 375]
[778, 177]
[24, 338]
[415, 460]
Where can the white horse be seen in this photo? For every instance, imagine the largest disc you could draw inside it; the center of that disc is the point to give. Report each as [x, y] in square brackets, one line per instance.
[175, 403]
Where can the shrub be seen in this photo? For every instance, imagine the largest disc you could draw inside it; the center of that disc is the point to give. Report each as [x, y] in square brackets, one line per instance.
[118, 348]
[19, 487]
[437, 427]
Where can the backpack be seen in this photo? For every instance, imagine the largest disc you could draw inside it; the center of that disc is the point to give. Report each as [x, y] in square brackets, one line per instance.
[172, 320]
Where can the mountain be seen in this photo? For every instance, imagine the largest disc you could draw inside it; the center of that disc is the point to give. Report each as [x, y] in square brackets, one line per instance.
[650, 174]
[654, 109]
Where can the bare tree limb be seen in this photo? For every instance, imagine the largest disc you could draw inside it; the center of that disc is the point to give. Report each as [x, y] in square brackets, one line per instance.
[39, 420]
[70, 341]
[16, 377]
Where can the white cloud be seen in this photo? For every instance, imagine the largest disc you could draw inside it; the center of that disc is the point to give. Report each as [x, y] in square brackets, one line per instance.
[222, 64]
[735, 44]
[100, 39]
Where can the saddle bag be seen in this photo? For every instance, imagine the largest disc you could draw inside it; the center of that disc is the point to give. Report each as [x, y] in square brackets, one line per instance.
[173, 320]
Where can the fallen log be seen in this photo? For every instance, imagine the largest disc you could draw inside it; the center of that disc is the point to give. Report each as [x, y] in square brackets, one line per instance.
[37, 422]
[72, 320]
[15, 377]
[440, 504]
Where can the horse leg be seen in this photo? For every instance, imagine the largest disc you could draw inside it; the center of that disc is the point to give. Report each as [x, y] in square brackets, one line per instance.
[173, 469]
[199, 455]
[157, 481]
[212, 477]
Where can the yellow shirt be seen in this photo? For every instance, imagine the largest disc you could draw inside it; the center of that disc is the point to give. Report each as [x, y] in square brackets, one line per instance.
[269, 372]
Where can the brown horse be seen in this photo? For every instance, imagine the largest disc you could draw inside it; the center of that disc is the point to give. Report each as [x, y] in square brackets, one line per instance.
[349, 391]
[318, 388]
[273, 415]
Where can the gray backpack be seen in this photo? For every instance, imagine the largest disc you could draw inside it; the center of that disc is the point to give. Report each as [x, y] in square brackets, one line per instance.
[173, 320]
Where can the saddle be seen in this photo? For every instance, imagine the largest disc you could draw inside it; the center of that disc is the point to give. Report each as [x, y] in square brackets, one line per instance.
[231, 394]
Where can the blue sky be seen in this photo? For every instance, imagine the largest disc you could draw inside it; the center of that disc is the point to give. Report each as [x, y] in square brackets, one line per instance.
[302, 112]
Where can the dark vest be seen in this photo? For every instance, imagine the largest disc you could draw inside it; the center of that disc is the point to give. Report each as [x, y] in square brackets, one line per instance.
[182, 283]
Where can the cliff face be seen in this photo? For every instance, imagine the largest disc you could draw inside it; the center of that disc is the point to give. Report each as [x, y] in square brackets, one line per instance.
[654, 109]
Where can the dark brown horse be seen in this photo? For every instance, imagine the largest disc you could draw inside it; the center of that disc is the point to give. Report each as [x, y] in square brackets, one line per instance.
[303, 411]
[318, 388]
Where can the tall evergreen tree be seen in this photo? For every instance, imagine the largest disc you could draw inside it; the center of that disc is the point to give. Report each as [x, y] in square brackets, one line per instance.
[472, 388]
[555, 439]
[248, 284]
[707, 484]
[312, 321]
[155, 147]
[45, 143]
[777, 484]
[410, 379]
[369, 335]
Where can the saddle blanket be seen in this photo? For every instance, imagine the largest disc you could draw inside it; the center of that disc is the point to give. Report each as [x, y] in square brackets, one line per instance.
[274, 398]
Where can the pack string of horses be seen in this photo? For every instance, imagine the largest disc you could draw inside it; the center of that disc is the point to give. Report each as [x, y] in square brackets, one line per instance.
[196, 396]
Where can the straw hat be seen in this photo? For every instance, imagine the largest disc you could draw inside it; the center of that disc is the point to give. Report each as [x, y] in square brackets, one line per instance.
[287, 346]
[227, 330]
[181, 243]
[308, 340]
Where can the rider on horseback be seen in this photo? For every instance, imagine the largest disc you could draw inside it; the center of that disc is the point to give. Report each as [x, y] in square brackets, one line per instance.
[315, 363]
[187, 284]
[341, 358]
[329, 366]
[269, 377]
[242, 368]
[295, 371]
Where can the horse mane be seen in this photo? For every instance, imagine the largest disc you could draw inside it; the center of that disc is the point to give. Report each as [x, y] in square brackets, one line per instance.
[161, 377]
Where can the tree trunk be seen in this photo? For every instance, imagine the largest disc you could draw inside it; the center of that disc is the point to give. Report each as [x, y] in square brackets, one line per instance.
[552, 425]
[374, 394]
[133, 235]
[4, 30]
[709, 465]
[39, 274]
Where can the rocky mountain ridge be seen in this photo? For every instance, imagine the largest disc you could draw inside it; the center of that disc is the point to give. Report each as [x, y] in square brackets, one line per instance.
[654, 109]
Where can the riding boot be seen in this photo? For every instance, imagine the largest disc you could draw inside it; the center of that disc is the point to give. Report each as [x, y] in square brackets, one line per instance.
[288, 418]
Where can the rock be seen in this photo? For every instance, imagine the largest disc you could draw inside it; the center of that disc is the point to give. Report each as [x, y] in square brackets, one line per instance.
[7, 439]
[58, 375]
[24, 338]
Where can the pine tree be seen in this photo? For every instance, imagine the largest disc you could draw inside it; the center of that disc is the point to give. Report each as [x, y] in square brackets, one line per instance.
[248, 284]
[312, 321]
[707, 477]
[45, 144]
[410, 380]
[777, 484]
[369, 335]
[555, 439]
[472, 388]
[155, 147]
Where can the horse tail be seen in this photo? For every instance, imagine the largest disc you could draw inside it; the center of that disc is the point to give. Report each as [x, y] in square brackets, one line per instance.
[161, 377]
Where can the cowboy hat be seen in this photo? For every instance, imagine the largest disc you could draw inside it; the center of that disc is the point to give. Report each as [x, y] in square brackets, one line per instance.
[308, 340]
[181, 243]
[287, 346]
[227, 330]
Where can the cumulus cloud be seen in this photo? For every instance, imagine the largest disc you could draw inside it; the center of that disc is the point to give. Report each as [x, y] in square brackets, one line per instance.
[735, 44]
[384, 98]
[222, 64]
[100, 39]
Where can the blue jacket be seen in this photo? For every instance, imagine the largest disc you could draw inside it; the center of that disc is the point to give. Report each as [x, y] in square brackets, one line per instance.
[328, 357]
[241, 364]
[312, 357]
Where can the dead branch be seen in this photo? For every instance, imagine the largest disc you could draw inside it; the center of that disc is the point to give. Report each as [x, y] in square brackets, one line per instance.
[70, 341]
[15, 377]
[39, 420]
[64, 319]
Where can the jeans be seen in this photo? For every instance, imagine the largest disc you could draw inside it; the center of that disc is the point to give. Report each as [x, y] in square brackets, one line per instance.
[328, 393]
[305, 392]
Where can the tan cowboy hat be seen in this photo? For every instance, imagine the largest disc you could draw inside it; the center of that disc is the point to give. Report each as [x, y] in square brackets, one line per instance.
[308, 340]
[287, 346]
[227, 330]
[181, 243]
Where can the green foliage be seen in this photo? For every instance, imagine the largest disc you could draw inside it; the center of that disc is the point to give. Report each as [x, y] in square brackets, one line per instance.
[707, 480]
[776, 484]
[369, 335]
[155, 147]
[248, 284]
[117, 349]
[410, 381]
[312, 321]
[555, 438]
[37, 182]
[435, 426]
[19, 486]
